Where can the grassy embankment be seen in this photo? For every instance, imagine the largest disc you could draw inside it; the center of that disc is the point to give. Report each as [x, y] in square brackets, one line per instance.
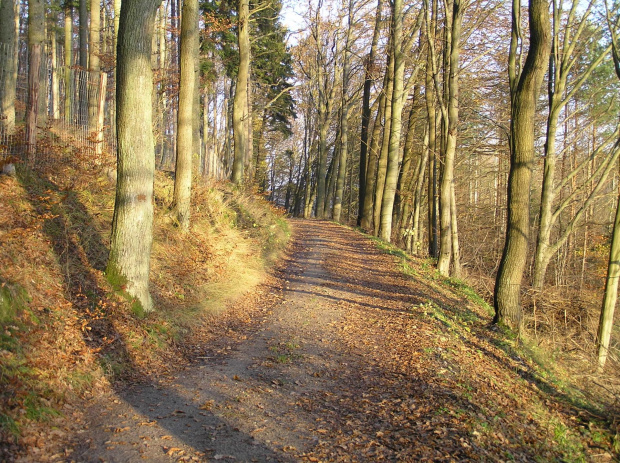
[64, 333]
[524, 392]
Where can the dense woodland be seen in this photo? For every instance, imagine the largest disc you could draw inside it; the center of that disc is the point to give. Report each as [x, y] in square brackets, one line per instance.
[481, 134]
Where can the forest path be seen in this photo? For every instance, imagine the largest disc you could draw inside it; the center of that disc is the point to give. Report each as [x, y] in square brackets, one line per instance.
[344, 368]
[276, 394]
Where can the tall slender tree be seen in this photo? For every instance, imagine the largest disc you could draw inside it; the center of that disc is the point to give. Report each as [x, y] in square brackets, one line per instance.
[369, 77]
[186, 116]
[525, 87]
[240, 107]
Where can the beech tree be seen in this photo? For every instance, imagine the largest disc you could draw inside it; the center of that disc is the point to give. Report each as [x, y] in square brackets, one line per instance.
[240, 106]
[132, 225]
[186, 115]
[525, 86]
[369, 77]
[448, 250]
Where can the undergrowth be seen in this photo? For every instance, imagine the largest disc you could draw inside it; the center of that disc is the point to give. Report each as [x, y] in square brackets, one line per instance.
[65, 331]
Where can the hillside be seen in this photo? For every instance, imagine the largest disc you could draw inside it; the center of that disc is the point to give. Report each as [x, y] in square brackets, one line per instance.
[66, 334]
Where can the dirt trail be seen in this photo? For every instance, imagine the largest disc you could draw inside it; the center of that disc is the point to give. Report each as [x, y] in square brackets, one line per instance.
[357, 362]
[254, 404]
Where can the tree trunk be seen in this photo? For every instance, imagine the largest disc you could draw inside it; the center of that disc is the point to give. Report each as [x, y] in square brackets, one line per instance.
[83, 33]
[68, 50]
[55, 83]
[93, 62]
[415, 232]
[8, 51]
[432, 136]
[36, 39]
[132, 226]
[367, 223]
[512, 265]
[187, 89]
[448, 217]
[240, 106]
[369, 78]
[561, 62]
[385, 145]
[344, 119]
[394, 133]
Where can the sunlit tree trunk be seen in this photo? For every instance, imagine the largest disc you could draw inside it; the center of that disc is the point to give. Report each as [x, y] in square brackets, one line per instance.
[606, 320]
[385, 144]
[240, 107]
[132, 226]
[431, 24]
[55, 83]
[367, 223]
[394, 134]
[36, 39]
[512, 265]
[68, 57]
[369, 77]
[8, 42]
[561, 64]
[448, 216]
[93, 62]
[344, 118]
[186, 116]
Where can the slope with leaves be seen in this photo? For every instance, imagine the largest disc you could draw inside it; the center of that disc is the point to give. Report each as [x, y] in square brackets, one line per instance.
[65, 334]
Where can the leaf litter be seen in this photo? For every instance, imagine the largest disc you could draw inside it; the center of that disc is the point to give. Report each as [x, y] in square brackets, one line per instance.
[383, 367]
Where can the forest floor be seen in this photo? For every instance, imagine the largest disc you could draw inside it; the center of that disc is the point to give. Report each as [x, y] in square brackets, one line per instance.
[342, 356]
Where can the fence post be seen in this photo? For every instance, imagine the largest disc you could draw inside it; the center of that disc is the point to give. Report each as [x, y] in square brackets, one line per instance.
[103, 79]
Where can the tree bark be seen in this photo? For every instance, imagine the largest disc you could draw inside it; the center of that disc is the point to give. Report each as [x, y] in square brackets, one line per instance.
[385, 144]
[36, 39]
[240, 106]
[344, 118]
[448, 217]
[8, 40]
[369, 77]
[561, 62]
[93, 62]
[185, 125]
[391, 177]
[68, 57]
[606, 320]
[512, 265]
[367, 223]
[132, 226]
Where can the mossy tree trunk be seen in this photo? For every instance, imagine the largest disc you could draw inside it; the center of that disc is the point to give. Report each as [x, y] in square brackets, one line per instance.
[132, 225]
